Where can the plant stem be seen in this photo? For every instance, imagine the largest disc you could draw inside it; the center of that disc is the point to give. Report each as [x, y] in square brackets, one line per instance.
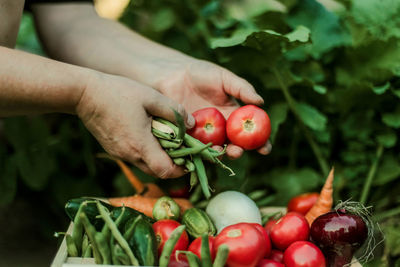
[371, 174]
[387, 214]
[323, 164]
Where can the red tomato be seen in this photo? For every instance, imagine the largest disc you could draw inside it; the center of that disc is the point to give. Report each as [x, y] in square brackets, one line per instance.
[266, 238]
[210, 126]
[173, 262]
[179, 191]
[303, 203]
[288, 229]
[303, 254]
[246, 244]
[195, 247]
[248, 127]
[269, 263]
[163, 230]
[269, 224]
[276, 255]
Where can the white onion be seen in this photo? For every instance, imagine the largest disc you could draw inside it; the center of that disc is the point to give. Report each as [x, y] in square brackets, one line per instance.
[232, 207]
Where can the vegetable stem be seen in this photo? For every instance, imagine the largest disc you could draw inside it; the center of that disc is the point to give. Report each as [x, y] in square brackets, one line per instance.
[323, 164]
[386, 214]
[371, 174]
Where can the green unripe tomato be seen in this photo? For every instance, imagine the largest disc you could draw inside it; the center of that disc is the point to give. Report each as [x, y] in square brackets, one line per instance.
[166, 208]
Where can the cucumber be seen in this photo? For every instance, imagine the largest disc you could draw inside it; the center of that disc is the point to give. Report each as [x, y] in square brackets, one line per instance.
[143, 242]
[198, 222]
[72, 206]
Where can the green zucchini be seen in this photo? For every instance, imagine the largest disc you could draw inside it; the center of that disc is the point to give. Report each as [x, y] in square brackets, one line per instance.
[143, 242]
[72, 207]
[128, 214]
[198, 222]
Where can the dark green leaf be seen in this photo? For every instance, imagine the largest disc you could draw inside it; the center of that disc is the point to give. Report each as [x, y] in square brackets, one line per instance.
[392, 119]
[388, 171]
[387, 139]
[8, 178]
[381, 89]
[311, 116]
[277, 114]
[320, 89]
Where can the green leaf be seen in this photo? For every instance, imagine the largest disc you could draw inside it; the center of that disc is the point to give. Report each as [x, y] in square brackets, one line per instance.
[392, 119]
[326, 29]
[311, 116]
[163, 20]
[392, 241]
[289, 183]
[301, 34]
[388, 171]
[387, 139]
[396, 92]
[379, 90]
[379, 17]
[320, 89]
[277, 114]
[238, 37]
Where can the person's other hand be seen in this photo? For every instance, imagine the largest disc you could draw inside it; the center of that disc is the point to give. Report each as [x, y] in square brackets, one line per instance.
[118, 112]
[198, 84]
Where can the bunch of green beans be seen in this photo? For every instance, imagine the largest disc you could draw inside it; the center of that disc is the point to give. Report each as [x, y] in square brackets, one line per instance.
[187, 151]
[107, 246]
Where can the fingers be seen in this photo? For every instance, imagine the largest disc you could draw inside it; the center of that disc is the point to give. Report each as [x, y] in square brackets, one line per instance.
[161, 106]
[240, 88]
[157, 160]
[266, 149]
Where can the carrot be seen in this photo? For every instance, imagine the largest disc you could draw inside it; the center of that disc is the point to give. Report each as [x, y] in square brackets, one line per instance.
[146, 204]
[324, 201]
[147, 189]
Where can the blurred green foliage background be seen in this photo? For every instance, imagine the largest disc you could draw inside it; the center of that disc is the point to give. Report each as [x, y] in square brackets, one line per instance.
[329, 72]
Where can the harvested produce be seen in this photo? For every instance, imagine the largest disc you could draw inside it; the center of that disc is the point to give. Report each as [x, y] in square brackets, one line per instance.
[166, 208]
[266, 238]
[339, 234]
[210, 126]
[269, 263]
[196, 246]
[324, 201]
[246, 244]
[231, 207]
[248, 127]
[290, 228]
[187, 151]
[163, 230]
[145, 204]
[303, 254]
[197, 223]
[303, 203]
[276, 255]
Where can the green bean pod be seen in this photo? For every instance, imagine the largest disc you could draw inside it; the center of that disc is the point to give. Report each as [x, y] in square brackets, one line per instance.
[193, 179]
[189, 165]
[77, 231]
[168, 144]
[201, 173]
[91, 232]
[222, 256]
[196, 195]
[170, 244]
[117, 234]
[104, 248]
[179, 161]
[121, 256]
[160, 134]
[205, 252]
[192, 258]
[85, 243]
[186, 151]
[71, 247]
[88, 251]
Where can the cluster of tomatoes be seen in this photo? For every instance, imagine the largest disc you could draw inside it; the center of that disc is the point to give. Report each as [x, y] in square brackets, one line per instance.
[248, 127]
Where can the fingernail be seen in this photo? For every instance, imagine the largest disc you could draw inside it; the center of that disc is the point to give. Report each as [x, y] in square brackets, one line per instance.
[260, 99]
[191, 121]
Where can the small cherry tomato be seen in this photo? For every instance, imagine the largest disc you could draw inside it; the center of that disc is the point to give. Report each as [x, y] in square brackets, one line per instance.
[180, 262]
[245, 242]
[195, 247]
[248, 127]
[177, 191]
[266, 238]
[269, 263]
[210, 126]
[302, 203]
[276, 255]
[303, 254]
[163, 230]
[288, 229]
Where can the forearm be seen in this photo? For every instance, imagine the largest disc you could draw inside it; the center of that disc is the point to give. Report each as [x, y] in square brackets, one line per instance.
[85, 39]
[32, 84]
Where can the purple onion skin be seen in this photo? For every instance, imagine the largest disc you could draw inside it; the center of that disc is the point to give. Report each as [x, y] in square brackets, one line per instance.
[338, 234]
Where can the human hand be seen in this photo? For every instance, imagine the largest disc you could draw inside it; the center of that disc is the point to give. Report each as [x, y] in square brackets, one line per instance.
[198, 84]
[118, 112]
